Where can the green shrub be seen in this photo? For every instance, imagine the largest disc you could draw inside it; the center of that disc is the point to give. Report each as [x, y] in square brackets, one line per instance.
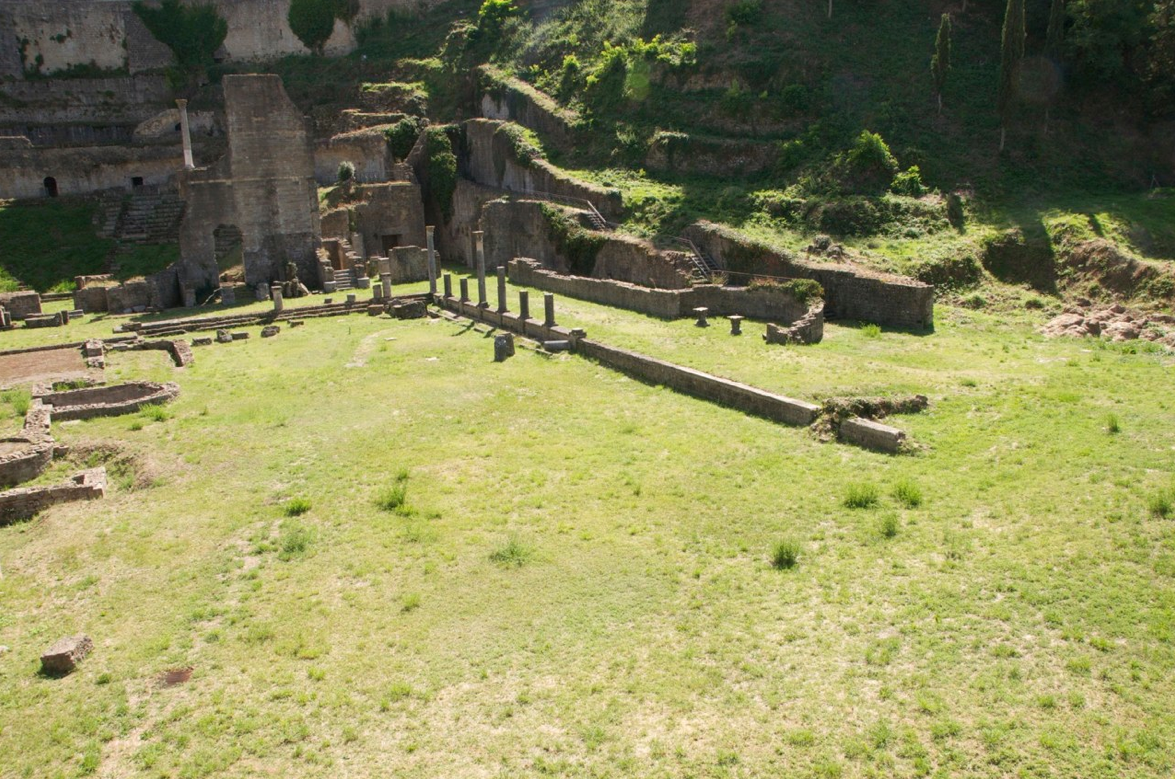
[294, 541]
[410, 602]
[1161, 504]
[803, 290]
[604, 87]
[908, 494]
[392, 497]
[402, 136]
[296, 507]
[745, 12]
[192, 32]
[785, 554]
[868, 167]
[957, 271]
[975, 301]
[442, 168]
[313, 21]
[888, 525]
[871, 331]
[908, 183]
[346, 171]
[514, 554]
[861, 496]
[795, 98]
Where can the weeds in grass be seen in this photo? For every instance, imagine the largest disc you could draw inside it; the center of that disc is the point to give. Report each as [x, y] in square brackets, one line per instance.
[296, 507]
[410, 602]
[514, 554]
[294, 541]
[908, 494]
[1113, 426]
[871, 331]
[156, 414]
[19, 399]
[785, 554]
[1161, 504]
[861, 496]
[888, 525]
[392, 497]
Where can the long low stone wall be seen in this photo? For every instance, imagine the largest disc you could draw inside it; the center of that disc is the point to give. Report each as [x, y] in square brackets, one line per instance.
[849, 292]
[765, 304]
[25, 503]
[109, 401]
[702, 385]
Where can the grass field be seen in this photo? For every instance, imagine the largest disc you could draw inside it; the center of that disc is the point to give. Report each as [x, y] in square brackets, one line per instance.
[383, 554]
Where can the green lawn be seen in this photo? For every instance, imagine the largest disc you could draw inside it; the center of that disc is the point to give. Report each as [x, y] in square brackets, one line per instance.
[578, 581]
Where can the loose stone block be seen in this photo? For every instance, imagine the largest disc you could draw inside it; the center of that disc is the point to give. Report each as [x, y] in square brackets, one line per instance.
[701, 313]
[201, 342]
[65, 654]
[240, 336]
[415, 309]
[228, 296]
[375, 309]
[557, 346]
[330, 286]
[224, 337]
[363, 282]
[736, 324]
[327, 301]
[351, 299]
[377, 292]
[270, 331]
[503, 347]
[296, 323]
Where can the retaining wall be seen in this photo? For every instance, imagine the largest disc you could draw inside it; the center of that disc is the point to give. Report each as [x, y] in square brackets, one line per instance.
[27, 502]
[109, 401]
[849, 292]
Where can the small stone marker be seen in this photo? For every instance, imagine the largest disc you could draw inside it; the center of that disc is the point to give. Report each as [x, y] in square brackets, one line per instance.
[296, 323]
[270, 331]
[377, 292]
[386, 280]
[64, 317]
[65, 654]
[330, 286]
[736, 324]
[363, 282]
[503, 347]
[201, 342]
[224, 337]
[278, 302]
[375, 309]
[557, 346]
[240, 336]
[327, 301]
[351, 299]
[701, 313]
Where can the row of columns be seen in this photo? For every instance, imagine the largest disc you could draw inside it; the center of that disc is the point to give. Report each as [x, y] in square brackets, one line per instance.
[503, 307]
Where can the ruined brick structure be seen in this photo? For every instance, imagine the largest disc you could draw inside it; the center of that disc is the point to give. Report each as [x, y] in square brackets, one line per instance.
[263, 190]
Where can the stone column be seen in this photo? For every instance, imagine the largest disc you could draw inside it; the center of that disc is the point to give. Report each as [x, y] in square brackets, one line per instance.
[448, 285]
[549, 309]
[386, 280]
[276, 292]
[185, 135]
[377, 292]
[479, 247]
[524, 305]
[464, 289]
[432, 260]
[502, 307]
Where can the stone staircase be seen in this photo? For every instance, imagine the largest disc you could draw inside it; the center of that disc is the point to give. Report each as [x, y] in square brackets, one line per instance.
[145, 217]
[344, 279]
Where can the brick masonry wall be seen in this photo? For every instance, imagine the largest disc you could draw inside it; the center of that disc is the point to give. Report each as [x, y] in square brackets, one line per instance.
[21, 504]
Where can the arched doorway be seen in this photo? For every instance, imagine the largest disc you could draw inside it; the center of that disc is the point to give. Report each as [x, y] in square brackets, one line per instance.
[50, 186]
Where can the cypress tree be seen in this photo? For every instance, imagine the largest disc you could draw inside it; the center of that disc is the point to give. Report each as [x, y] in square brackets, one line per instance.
[1012, 52]
[940, 61]
[1055, 39]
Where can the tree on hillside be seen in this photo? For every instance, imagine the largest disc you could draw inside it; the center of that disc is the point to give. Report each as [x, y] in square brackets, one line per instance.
[940, 61]
[1055, 38]
[1012, 52]
[313, 21]
[192, 32]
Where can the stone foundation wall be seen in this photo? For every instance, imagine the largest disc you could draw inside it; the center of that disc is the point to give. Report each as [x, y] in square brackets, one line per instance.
[809, 329]
[774, 305]
[26, 463]
[21, 504]
[109, 401]
[21, 304]
[849, 292]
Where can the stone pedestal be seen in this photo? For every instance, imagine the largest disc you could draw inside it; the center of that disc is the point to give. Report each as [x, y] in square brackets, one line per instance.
[432, 260]
[524, 305]
[228, 296]
[736, 324]
[701, 314]
[503, 347]
[278, 302]
[549, 309]
[448, 285]
[351, 299]
[386, 280]
[363, 282]
[329, 286]
[377, 292]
